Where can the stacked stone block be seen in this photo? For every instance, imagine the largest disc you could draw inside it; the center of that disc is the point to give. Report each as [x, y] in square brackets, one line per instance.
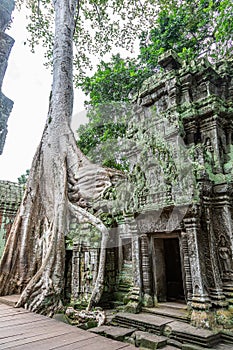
[6, 43]
[10, 198]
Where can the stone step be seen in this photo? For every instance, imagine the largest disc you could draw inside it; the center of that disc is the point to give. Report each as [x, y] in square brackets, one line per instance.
[138, 338]
[119, 295]
[223, 346]
[171, 312]
[142, 321]
[124, 286]
[125, 283]
[186, 333]
[227, 337]
[148, 340]
[177, 330]
[116, 333]
[10, 300]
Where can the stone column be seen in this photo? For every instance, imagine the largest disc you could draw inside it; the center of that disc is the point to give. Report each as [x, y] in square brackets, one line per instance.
[134, 304]
[185, 81]
[223, 229]
[190, 128]
[146, 272]
[228, 249]
[187, 268]
[211, 129]
[75, 281]
[216, 292]
[200, 299]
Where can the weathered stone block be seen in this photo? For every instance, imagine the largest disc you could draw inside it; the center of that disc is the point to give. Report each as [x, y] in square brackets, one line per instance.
[117, 333]
[169, 60]
[6, 8]
[6, 43]
[149, 341]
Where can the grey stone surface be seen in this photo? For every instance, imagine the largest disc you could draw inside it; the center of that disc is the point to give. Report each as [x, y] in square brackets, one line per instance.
[10, 198]
[149, 341]
[142, 321]
[6, 8]
[193, 335]
[6, 43]
[11, 194]
[192, 347]
[117, 333]
[175, 343]
[177, 326]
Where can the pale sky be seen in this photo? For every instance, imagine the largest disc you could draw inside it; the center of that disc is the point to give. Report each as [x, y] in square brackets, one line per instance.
[27, 82]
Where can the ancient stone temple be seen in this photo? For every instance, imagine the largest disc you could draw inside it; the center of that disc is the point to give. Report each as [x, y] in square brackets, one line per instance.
[170, 216]
[11, 195]
[170, 219]
[6, 43]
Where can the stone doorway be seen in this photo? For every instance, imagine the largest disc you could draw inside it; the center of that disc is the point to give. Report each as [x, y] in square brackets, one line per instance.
[167, 266]
[174, 279]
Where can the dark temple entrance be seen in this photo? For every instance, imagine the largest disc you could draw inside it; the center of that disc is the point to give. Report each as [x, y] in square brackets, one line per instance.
[174, 280]
[167, 269]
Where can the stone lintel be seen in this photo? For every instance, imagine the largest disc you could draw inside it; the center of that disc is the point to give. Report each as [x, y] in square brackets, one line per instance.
[169, 60]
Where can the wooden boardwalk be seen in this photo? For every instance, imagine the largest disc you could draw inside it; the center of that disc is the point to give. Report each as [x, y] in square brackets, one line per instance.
[23, 330]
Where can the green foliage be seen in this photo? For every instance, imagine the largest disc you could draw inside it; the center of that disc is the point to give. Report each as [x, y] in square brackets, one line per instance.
[23, 178]
[101, 138]
[109, 90]
[115, 80]
[192, 29]
[228, 166]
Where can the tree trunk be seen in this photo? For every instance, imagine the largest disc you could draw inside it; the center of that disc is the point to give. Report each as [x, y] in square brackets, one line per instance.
[34, 256]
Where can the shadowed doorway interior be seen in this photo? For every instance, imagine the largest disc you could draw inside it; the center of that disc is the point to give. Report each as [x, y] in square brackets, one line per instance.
[167, 269]
[174, 280]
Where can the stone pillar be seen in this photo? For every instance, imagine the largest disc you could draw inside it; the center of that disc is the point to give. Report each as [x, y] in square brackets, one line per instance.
[223, 229]
[200, 299]
[146, 272]
[216, 292]
[228, 254]
[187, 268]
[75, 281]
[186, 81]
[190, 129]
[135, 295]
[210, 128]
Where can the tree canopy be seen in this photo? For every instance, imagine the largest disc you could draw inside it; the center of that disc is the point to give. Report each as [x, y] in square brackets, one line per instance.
[109, 108]
[99, 25]
[191, 28]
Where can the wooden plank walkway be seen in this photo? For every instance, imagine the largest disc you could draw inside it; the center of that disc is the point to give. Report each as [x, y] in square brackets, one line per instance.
[24, 330]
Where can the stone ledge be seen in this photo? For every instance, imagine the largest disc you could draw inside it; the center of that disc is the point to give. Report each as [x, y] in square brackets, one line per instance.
[117, 333]
[149, 341]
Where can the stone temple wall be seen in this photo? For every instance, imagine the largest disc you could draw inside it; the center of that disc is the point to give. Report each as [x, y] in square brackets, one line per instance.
[177, 196]
[174, 210]
[11, 195]
[6, 43]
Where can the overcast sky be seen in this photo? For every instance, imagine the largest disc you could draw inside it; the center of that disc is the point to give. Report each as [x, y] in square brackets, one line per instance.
[27, 82]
